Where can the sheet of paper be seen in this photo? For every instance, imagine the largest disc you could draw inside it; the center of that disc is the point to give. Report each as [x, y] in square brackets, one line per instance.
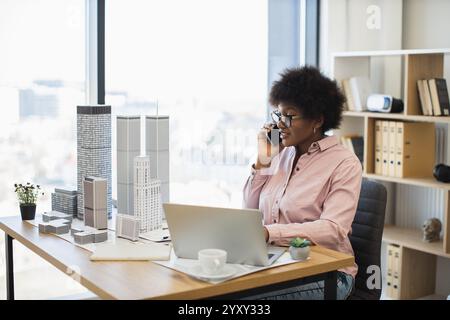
[187, 265]
[156, 235]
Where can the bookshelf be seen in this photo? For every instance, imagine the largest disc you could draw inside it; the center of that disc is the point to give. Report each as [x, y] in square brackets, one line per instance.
[399, 71]
[397, 116]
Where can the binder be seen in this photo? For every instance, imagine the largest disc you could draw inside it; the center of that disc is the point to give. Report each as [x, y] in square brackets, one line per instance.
[390, 263]
[384, 148]
[418, 156]
[378, 143]
[392, 148]
[399, 149]
[396, 272]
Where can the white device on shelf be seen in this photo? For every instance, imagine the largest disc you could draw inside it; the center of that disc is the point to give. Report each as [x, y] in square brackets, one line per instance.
[384, 103]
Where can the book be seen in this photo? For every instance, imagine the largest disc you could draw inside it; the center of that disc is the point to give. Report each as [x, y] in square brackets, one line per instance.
[434, 97]
[421, 89]
[360, 90]
[358, 147]
[427, 97]
[348, 95]
[439, 96]
[355, 144]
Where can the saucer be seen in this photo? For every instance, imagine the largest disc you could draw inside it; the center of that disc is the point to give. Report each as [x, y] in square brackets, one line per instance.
[227, 272]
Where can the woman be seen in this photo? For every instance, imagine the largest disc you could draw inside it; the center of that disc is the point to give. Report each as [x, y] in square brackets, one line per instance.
[310, 188]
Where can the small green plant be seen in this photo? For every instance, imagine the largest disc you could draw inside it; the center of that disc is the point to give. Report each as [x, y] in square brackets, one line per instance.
[300, 243]
[27, 194]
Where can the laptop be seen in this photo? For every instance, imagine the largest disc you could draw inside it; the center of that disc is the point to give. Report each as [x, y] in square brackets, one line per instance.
[238, 231]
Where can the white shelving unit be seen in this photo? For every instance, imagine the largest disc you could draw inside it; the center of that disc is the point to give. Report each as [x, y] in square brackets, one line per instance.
[396, 73]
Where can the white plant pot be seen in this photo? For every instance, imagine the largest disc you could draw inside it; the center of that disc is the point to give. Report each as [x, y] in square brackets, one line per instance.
[299, 253]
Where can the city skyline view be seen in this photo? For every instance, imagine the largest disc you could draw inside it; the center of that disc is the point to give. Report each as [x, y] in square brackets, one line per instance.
[212, 82]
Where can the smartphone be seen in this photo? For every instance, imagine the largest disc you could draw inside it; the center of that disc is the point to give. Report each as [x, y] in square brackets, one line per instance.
[269, 134]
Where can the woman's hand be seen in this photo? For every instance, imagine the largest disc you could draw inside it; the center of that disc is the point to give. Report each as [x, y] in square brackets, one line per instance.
[266, 234]
[266, 151]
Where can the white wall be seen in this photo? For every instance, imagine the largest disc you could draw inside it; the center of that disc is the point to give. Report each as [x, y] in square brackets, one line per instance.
[426, 24]
[344, 27]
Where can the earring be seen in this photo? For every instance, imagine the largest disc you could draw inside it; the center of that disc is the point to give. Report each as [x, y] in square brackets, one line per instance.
[314, 130]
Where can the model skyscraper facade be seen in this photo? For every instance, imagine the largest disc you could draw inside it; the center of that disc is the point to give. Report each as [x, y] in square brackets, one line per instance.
[65, 200]
[93, 150]
[157, 148]
[147, 196]
[128, 147]
[95, 200]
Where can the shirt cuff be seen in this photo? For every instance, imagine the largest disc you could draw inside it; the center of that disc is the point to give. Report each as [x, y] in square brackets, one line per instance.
[274, 233]
[256, 174]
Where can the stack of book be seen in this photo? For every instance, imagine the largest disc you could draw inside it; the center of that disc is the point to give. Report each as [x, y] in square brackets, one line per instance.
[433, 95]
[404, 149]
[354, 143]
[356, 91]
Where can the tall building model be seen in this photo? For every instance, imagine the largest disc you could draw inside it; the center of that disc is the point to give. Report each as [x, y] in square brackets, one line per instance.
[147, 196]
[95, 200]
[157, 148]
[65, 200]
[128, 147]
[93, 149]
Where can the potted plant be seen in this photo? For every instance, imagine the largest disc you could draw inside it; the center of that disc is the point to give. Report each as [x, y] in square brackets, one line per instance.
[299, 248]
[27, 195]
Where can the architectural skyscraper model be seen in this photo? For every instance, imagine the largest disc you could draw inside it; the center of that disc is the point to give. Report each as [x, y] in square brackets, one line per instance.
[157, 148]
[65, 200]
[147, 196]
[95, 199]
[128, 147]
[93, 149]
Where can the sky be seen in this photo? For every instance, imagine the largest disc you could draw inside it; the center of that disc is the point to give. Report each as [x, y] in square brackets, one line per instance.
[156, 48]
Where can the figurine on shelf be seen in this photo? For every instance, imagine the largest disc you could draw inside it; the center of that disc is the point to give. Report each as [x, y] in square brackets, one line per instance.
[431, 230]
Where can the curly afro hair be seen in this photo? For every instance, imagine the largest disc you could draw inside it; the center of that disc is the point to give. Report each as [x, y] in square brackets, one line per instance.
[312, 93]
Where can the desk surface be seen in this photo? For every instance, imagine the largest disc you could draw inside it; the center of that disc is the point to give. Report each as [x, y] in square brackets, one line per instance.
[147, 280]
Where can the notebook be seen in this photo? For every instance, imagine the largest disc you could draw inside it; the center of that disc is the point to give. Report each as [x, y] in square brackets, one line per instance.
[127, 251]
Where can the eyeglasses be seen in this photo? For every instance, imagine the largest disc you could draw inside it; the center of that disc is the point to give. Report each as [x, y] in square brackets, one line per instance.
[287, 120]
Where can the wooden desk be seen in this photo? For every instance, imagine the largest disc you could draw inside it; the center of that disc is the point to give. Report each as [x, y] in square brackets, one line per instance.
[147, 280]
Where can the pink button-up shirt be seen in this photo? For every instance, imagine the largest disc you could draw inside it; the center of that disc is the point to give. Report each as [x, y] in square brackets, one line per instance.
[318, 201]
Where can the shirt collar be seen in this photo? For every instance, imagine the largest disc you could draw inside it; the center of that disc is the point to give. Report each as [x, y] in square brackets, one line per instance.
[323, 144]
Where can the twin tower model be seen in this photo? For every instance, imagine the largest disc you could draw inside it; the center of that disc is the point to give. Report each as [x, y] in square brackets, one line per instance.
[142, 181]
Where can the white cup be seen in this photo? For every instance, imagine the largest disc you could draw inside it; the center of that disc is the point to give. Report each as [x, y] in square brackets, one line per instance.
[212, 261]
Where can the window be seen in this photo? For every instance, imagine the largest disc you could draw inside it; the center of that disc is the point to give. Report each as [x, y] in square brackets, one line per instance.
[42, 79]
[203, 63]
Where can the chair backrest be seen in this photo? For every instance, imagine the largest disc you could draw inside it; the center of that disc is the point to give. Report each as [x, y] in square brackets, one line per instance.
[366, 236]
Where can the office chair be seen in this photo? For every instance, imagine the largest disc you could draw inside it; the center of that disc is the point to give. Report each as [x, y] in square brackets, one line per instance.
[367, 232]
